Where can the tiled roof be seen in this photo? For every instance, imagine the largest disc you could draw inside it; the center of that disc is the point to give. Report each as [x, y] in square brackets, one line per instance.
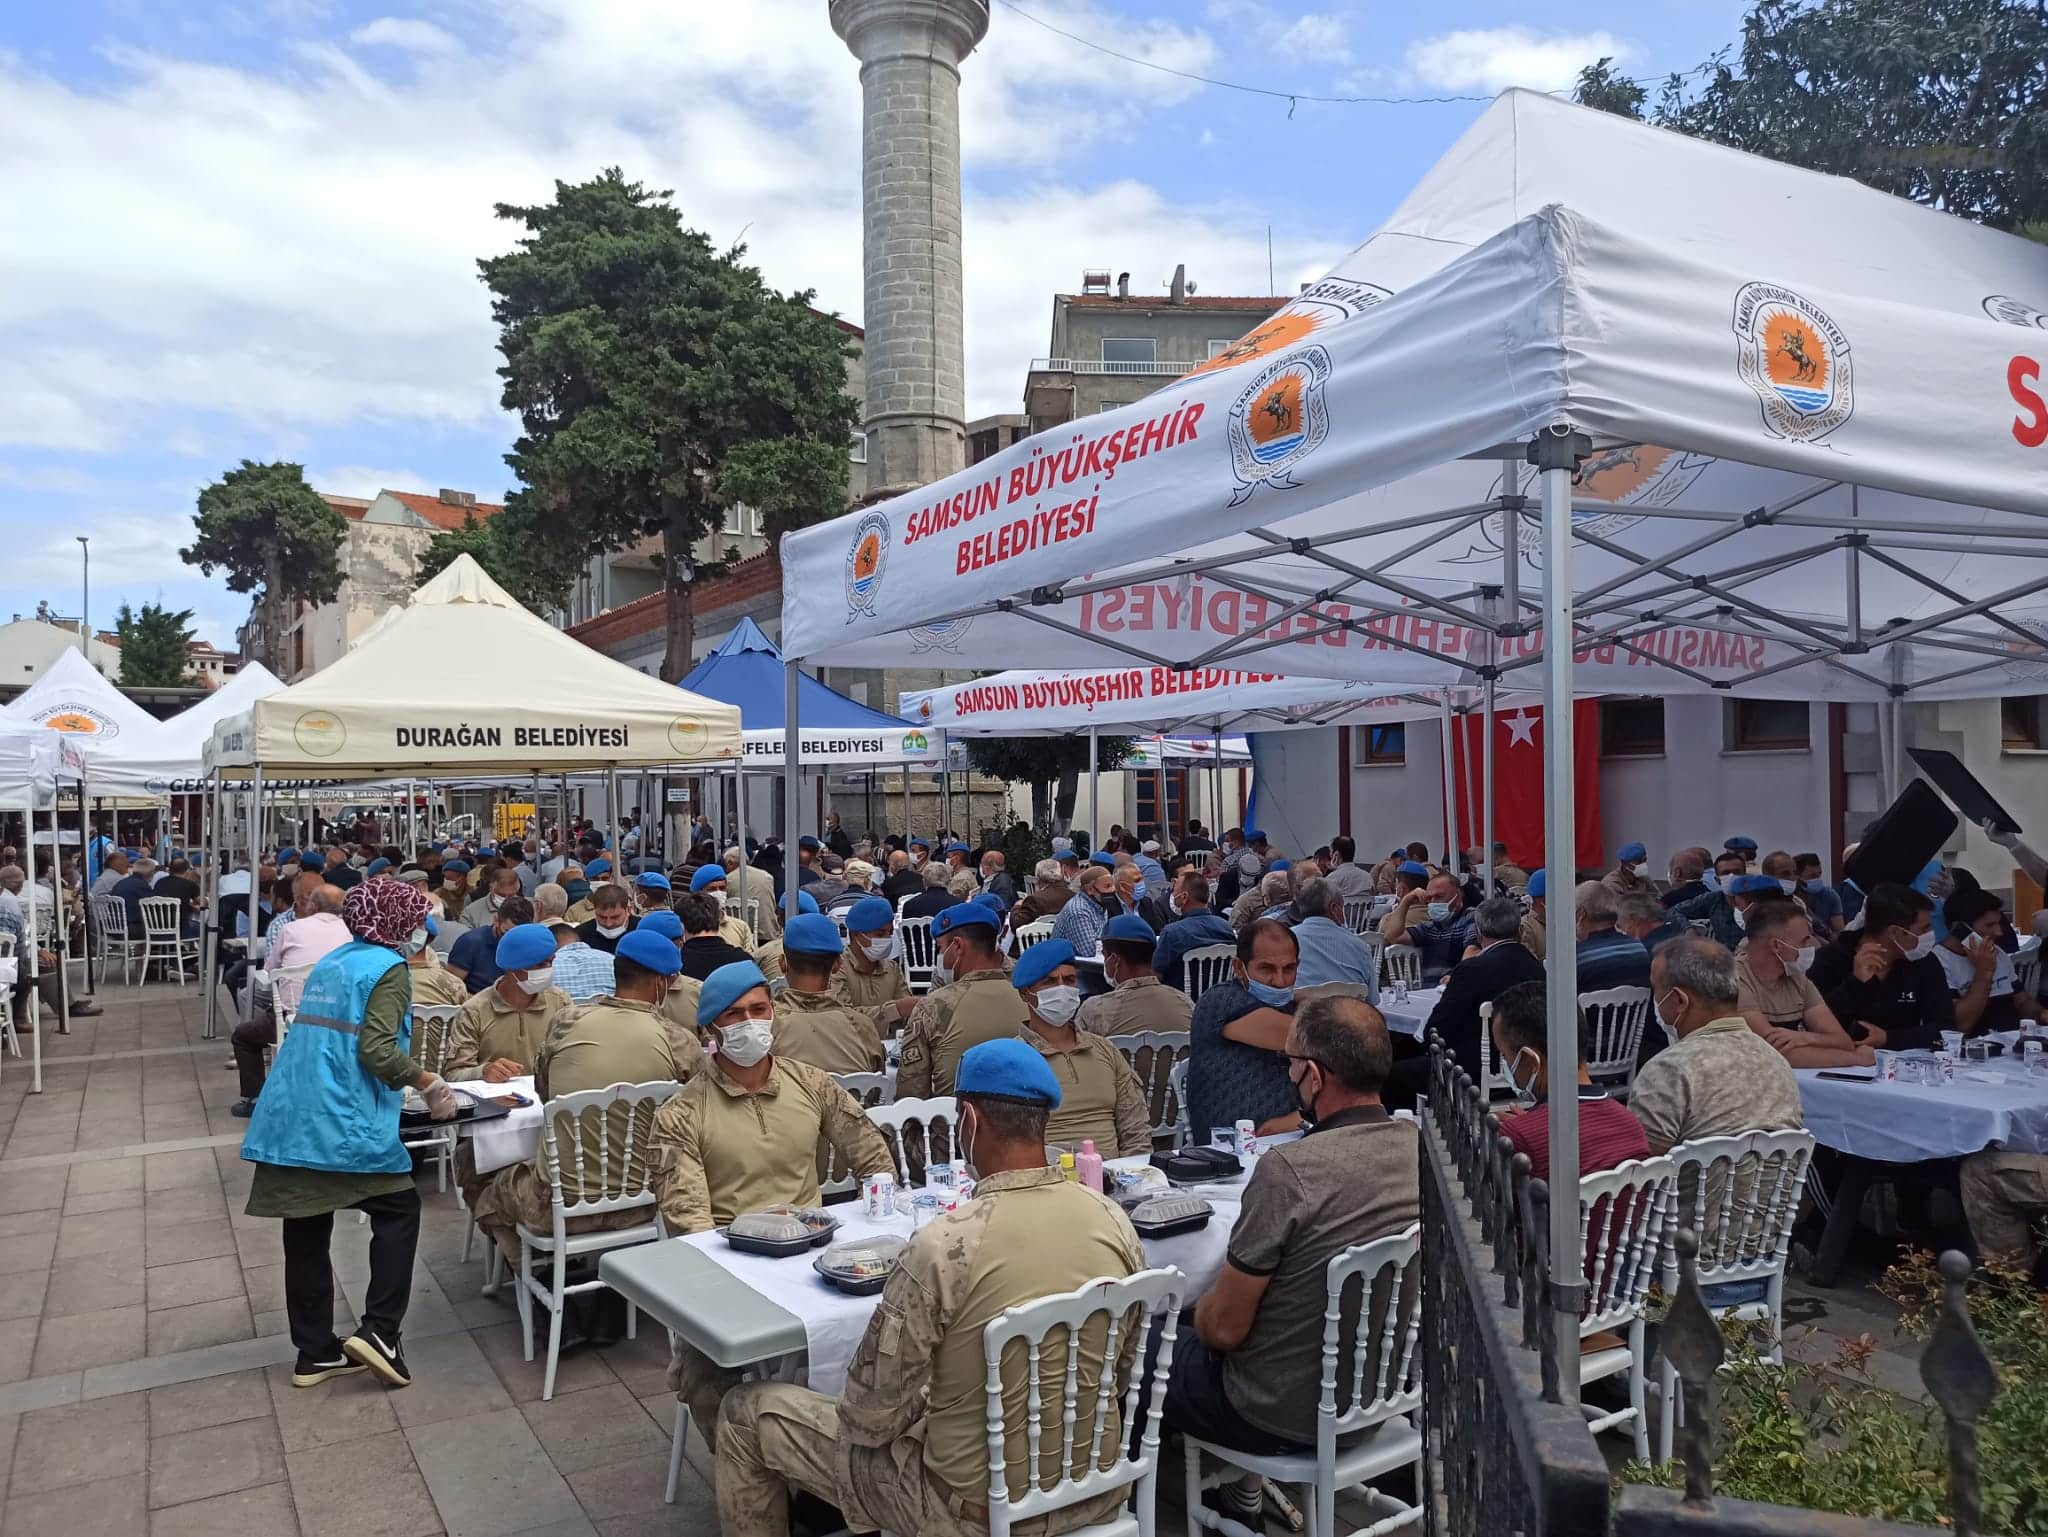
[743, 580]
[1263, 305]
[350, 507]
[439, 513]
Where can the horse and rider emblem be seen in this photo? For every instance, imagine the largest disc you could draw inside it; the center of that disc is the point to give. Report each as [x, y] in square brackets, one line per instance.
[1796, 359]
[1279, 420]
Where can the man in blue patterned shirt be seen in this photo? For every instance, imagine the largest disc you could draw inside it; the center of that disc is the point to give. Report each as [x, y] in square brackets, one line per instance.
[1081, 922]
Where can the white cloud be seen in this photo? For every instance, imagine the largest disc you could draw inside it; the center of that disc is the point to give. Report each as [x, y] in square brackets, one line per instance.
[404, 33]
[1495, 58]
[364, 480]
[1314, 39]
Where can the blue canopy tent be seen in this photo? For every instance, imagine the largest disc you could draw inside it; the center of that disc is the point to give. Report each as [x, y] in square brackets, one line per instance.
[747, 671]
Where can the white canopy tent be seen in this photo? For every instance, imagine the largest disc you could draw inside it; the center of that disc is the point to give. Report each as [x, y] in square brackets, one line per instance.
[172, 759]
[1787, 436]
[32, 761]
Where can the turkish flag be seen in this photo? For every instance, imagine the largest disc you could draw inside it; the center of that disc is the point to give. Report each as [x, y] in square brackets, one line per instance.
[1518, 782]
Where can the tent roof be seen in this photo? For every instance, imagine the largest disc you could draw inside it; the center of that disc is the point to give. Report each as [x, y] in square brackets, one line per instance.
[461, 680]
[168, 759]
[746, 671]
[72, 697]
[1814, 468]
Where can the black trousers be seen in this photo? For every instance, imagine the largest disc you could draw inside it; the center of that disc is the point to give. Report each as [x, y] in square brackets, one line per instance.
[1196, 1404]
[250, 1039]
[309, 1272]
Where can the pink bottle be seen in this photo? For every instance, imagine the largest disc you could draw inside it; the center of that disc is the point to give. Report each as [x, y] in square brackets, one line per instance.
[1088, 1165]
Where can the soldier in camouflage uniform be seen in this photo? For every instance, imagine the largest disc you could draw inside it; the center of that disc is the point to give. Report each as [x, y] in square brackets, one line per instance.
[975, 1004]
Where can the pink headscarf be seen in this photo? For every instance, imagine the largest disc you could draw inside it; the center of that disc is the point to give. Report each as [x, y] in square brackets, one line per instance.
[381, 911]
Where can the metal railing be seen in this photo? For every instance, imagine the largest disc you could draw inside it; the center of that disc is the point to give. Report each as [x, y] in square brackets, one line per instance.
[1503, 1454]
[1154, 370]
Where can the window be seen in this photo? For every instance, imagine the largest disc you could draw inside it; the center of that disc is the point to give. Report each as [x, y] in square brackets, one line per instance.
[1766, 725]
[1631, 728]
[1112, 405]
[859, 451]
[1217, 349]
[1382, 744]
[740, 519]
[1129, 355]
[2020, 723]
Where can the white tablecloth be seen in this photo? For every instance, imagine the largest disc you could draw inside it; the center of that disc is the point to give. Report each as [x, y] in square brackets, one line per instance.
[508, 1139]
[1411, 1016]
[1997, 1103]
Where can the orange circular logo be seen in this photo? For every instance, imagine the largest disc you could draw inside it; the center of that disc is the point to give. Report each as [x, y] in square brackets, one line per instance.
[1275, 417]
[1283, 330]
[72, 721]
[1794, 354]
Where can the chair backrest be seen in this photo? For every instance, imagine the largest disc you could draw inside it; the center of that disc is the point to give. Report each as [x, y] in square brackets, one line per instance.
[594, 1147]
[919, 951]
[1358, 914]
[1067, 1354]
[287, 1012]
[432, 1032]
[1740, 1195]
[895, 1119]
[1400, 963]
[1493, 1074]
[1033, 933]
[1177, 1080]
[1153, 1055]
[1615, 1017]
[748, 911]
[869, 1090]
[2026, 967]
[161, 915]
[6, 946]
[1203, 967]
[1624, 1228]
[1384, 1316]
[110, 917]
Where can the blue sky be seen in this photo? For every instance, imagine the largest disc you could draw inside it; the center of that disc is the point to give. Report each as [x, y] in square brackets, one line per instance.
[249, 229]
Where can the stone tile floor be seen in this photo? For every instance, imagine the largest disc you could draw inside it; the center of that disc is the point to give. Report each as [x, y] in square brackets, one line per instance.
[144, 1366]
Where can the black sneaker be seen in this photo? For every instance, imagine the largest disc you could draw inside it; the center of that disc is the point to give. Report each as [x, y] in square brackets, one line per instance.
[243, 1109]
[380, 1355]
[309, 1373]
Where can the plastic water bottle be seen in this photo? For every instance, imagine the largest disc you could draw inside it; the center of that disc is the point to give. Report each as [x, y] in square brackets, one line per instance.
[1088, 1165]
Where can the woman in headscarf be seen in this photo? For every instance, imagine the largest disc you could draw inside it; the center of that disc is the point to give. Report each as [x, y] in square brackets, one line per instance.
[324, 1136]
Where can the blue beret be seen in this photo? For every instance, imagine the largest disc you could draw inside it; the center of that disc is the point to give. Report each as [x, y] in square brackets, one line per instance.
[1740, 845]
[661, 921]
[1537, 883]
[433, 927]
[456, 867]
[806, 903]
[869, 915]
[644, 947]
[380, 863]
[286, 856]
[808, 842]
[652, 880]
[1756, 885]
[921, 843]
[488, 851]
[992, 902]
[1127, 926]
[524, 945]
[598, 867]
[959, 916]
[1253, 835]
[812, 934]
[1009, 1068]
[1107, 861]
[1283, 864]
[957, 847]
[1632, 851]
[724, 988]
[1414, 867]
[1040, 961]
[438, 846]
[705, 876]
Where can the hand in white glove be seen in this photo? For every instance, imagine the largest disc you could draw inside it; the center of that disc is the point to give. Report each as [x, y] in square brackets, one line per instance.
[441, 1101]
[1997, 835]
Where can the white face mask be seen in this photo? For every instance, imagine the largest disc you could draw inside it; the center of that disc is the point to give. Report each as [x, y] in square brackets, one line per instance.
[1788, 886]
[610, 932]
[877, 949]
[1741, 917]
[1922, 947]
[747, 1042]
[538, 980]
[1525, 1094]
[415, 942]
[1057, 1005]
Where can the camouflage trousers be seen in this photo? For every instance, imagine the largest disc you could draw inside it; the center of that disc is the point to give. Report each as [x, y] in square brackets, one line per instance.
[2004, 1195]
[702, 1384]
[518, 1195]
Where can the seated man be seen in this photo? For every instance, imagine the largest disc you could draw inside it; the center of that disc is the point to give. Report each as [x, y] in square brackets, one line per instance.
[433, 983]
[1627, 874]
[1720, 1077]
[473, 960]
[744, 1134]
[1081, 922]
[611, 909]
[500, 888]
[1777, 1000]
[1245, 1379]
[453, 889]
[1607, 957]
[140, 882]
[498, 1034]
[869, 977]
[971, 1001]
[814, 1024]
[1609, 1134]
[1823, 902]
[1718, 907]
[1685, 869]
[905, 1447]
[1434, 921]
[935, 898]
[618, 1039]
[1330, 950]
[1882, 981]
[1641, 916]
[1237, 1064]
[705, 947]
[581, 969]
[1197, 925]
[1049, 893]
[316, 931]
[651, 891]
[1135, 1000]
[1101, 1099]
[1500, 963]
[1980, 973]
[709, 881]
[2005, 1194]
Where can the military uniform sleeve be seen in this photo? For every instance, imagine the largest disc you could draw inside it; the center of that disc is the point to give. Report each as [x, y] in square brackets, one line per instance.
[684, 1049]
[845, 1125]
[549, 1045]
[461, 1064]
[885, 1386]
[1133, 1115]
[914, 1062]
[377, 1045]
[679, 1184]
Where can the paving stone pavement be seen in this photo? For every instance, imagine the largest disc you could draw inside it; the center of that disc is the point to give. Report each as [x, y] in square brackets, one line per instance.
[144, 1368]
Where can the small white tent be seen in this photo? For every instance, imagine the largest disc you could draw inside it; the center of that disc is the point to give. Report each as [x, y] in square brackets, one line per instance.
[72, 697]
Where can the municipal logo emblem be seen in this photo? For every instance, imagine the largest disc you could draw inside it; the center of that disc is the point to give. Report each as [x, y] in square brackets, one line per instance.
[687, 737]
[943, 635]
[916, 741]
[1279, 420]
[1796, 359]
[2014, 312]
[319, 734]
[865, 558]
[1320, 305]
[1628, 475]
[79, 720]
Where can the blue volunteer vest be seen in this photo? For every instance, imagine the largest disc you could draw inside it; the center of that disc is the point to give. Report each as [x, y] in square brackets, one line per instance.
[319, 1108]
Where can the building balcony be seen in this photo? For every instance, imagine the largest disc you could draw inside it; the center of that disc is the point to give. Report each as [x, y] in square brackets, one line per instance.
[1167, 370]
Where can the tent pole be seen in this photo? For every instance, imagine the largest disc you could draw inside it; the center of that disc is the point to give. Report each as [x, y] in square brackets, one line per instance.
[255, 851]
[1159, 792]
[1900, 771]
[739, 813]
[31, 963]
[1486, 772]
[1557, 454]
[611, 816]
[1443, 700]
[1094, 793]
[906, 807]
[216, 862]
[85, 868]
[792, 797]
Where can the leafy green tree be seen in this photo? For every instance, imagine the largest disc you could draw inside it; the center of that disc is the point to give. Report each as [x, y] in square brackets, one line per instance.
[274, 535]
[1941, 101]
[645, 367]
[1046, 762]
[156, 646]
[511, 551]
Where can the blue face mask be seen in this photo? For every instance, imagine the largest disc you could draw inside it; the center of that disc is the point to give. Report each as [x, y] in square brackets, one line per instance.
[1271, 997]
[1815, 885]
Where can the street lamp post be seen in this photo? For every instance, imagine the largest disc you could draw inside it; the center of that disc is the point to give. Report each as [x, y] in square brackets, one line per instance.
[85, 596]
